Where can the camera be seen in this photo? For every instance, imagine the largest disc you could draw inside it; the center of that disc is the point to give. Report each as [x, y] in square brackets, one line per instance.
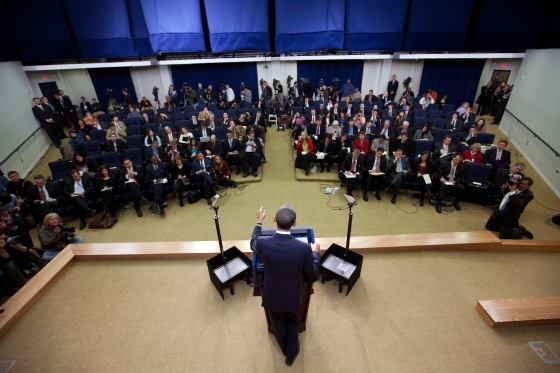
[66, 228]
[13, 223]
[155, 93]
[185, 88]
[275, 81]
[512, 182]
[335, 82]
[109, 92]
[407, 81]
[16, 240]
[321, 83]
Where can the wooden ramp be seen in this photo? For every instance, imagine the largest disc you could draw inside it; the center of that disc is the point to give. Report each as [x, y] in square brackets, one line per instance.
[520, 312]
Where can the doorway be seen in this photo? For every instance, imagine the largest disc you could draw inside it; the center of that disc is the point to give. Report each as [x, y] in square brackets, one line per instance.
[49, 89]
[499, 76]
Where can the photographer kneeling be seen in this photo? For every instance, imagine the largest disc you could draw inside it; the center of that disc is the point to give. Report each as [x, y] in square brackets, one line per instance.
[55, 236]
[14, 256]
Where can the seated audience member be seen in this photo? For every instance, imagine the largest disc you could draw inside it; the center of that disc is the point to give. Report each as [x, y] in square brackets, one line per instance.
[443, 151]
[107, 185]
[357, 95]
[375, 118]
[230, 151]
[203, 131]
[442, 101]
[156, 173]
[242, 121]
[9, 202]
[498, 157]
[401, 106]
[119, 125]
[376, 168]
[399, 120]
[342, 147]
[88, 119]
[17, 185]
[180, 173]
[145, 119]
[202, 171]
[386, 130]
[16, 227]
[259, 120]
[238, 132]
[79, 189]
[426, 100]
[204, 114]
[132, 178]
[222, 173]
[380, 142]
[386, 99]
[406, 145]
[96, 108]
[119, 132]
[433, 94]
[297, 120]
[408, 114]
[398, 169]
[15, 257]
[113, 107]
[328, 119]
[481, 126]
[424, 134]
[462, 109]
[362, 144]
[41, 198]
[351, 171]
[150, 138]
[213, 147]
[325, 150]
[473, 155]
[250, 149]
[451, 174]
[369, 129]
[192, 148]
[454, 124]
[370, 97]
[169, 103]
[76, 139]
[389, 111]
[84, 165]
[305, 152]
[470, 137]
[168, 136]
[154, 150]
[467, 117]
[505, 218]
[145, 104]
[55, 236]
[185, 136]
[84, 129]
[335, 130]
[360, 120]
[423, 165]
[97, 125]
[132, 113]
[212, 122]
[85, 106]
[163, 117]
[352, 128]
[503, 175]
[173, 150]
[115, 145]
[404, 129]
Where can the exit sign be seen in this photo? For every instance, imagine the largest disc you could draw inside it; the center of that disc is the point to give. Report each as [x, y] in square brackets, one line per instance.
[45, 77]
[502, 66]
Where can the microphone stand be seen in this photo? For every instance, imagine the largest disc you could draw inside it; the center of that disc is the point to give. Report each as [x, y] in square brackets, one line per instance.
[216, 220]
[350, 215]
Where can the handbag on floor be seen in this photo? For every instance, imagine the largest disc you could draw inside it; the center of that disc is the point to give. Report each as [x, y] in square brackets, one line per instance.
[193, 197]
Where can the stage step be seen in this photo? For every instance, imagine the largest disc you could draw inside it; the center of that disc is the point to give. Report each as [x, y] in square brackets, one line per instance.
[520, 312]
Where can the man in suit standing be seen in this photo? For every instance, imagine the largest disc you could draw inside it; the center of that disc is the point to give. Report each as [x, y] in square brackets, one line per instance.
[393, 87]
[376, 163]
[46, 118]
[452, 172]
[398, 169]
[351, 171]
[505, 218]
[115, 145]
[44, 198]
[156, 172]
[80, 189]
[202, 170]
[133, 178]
[287, 261]
[65, 107]
[230, 151]
[498, 157]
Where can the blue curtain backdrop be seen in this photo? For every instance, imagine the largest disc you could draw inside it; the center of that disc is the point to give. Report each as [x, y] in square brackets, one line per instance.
[249, 34]
[375, 25]
[438, 25]
[328, 70]
[116, 78]
[309, 25]
[8, 48]
[138, 28]
[551, 27]
[456, 78]
[216, 74]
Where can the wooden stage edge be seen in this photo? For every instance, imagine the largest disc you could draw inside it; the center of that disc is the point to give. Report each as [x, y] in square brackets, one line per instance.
[16, 307]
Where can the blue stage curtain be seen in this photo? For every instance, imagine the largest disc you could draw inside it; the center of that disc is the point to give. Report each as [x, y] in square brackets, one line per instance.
[244, 28]
[551, 27]
[138, 28]
[439, 25]
[216, 74]
[175, 26]
[457, 79]
[8, 48]
[328, 70]
[116, 78]
[309, 25]
[40, 30]
[506, 25]
[373, 25]
[101, 28]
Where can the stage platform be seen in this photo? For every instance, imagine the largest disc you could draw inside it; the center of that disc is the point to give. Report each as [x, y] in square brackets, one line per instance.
[520, 312]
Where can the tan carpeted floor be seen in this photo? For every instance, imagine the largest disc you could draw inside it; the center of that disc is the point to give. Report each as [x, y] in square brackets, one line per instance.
[409, 312]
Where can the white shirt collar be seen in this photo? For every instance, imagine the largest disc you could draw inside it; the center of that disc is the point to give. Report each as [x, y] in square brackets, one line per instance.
[283, 232]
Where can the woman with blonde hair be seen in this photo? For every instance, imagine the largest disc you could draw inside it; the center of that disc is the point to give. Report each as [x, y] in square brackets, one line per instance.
[54, 236]
[473, 155]
[463, 108]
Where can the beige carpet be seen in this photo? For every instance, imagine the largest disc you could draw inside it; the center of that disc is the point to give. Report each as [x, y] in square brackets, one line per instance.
[409, 312]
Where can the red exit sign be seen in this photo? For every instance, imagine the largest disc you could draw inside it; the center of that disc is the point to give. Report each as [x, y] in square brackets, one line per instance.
[45, 77]
[502, 66]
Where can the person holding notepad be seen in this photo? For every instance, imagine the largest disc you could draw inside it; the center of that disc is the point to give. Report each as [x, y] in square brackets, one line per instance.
[305, 151]
[376, 165]
[351, 171]
[451, 175]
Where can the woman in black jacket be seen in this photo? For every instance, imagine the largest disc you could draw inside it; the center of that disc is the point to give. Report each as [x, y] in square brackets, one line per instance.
[423, 165]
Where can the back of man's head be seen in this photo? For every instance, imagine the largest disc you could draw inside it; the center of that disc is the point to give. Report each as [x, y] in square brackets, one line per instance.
[285, 217]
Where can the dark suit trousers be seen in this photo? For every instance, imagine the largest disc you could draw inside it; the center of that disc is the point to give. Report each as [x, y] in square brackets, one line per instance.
[206, 179]
[286, 330]
[158, 193]
[305, 160]
[506, 231]
[459, 191]
[232, 159]
[380, 180]
[244, 158]
[47, 208]
[397, 179]
[50, 130]
[81, 205]
[136, 193]
[353, 183]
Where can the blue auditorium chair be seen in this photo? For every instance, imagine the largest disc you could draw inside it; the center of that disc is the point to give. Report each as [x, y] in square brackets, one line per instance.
[97, 135]
[153, 127]
[161, 110]
[448, 107]
[178, 116]
[150, 112]
[92, 148]
[134, 122]
[132, 131]
[389, 118]
[175, 110]
[232, 112]
[432, 107]
[420, 113]
[212, 106]
[432, 114]
[438, 123]
[111, 160]
[135, 156]
[221, 133]
[182, 123]
[439, 134]
[419, 122]
[60, 169]
[134, 141]
[420, 146]
[121, 115]
[486, 138]
[298, 109]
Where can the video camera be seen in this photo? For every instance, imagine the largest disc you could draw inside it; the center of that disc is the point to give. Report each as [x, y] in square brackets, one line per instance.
[16, 240]
[185, 88]
[13, 223]
[110, 93]
[66, 228]
[289, 81]
[155, 92]
[407, 81]
[335, 83]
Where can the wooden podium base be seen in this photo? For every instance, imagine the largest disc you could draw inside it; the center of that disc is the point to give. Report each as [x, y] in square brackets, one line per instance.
[303, 307]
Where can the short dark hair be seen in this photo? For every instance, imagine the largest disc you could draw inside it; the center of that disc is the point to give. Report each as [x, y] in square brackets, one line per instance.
[528, 179]
[447, 136]
[504, 141]
[285, 217]
[458, 154]
[36, 98]
[383, 137]
[103, 167]
[125, 159]
[74, 171]
[12, 173]
[382, 150]
[38, 177]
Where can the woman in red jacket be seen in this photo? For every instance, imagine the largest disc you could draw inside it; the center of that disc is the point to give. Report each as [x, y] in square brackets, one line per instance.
[221, 172]
[473, 155]
[305, 151]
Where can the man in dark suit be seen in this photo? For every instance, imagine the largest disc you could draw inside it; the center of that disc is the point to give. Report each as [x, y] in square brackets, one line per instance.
[443, 151]
[287, 261]
[132, 178]
[498, 157]
[351, 171]
[64, 106]
[145, 119]
[212, 147]
[376, 163]
[505, 218]
[167, 136]
[55, 115]
[156, 172]
[452, 172]
[386, 130]
[390, 111]
[203, 131]
[80, 189]
[404, 129]
[321, 111]
[96, 108]
[468, 117]
[342, 147]
[115, 145]
[43, 198]
[326, 147]
[250, 148]
[202, 170]
[172, 150]
[370, 97]
[258, 120]
[470, 137]
[398, 169]
[407, 146]
[46, 118]
[454, 124]
[85, 106]
[128, 100]
[156, 150]
[393, 87]
[230, 152]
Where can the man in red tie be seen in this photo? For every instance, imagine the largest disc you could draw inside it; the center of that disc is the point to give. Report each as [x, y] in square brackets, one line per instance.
[352, 171]
[451, 175]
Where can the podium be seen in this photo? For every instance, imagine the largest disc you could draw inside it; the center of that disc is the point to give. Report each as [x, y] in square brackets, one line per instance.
[259, 272]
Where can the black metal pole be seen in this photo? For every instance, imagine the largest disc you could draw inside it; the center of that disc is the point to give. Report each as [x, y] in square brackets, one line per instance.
[350, 214]
[216, 218]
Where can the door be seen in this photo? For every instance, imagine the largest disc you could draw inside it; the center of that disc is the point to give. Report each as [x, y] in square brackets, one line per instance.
[500, 76]
[48, 89]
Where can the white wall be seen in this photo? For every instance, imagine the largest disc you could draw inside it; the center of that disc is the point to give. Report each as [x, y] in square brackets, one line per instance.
[78, 83]
[513, 64]
[377, 74]
[146, 78]
[18, 121]
[35, 77]
[276, 70]
[534, 82]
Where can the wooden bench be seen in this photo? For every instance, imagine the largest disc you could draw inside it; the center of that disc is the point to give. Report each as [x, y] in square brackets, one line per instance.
[520, 312]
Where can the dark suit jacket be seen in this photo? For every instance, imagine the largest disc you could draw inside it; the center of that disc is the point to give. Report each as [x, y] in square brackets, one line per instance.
[215, 148]
[227, 149]
[390, 130]
[148, 154]
[394, 112]
[19, 189]
[87, 184]
[196, 166]
[392, 166]
[407, 147]
[165, 138]
[144, 121]
[287, 261]
[140, 177]
[330, 147]
[471, 141]
[180, 149]
[347, 164]
[409, 132]
[121, 146]
[445, 169]
[468, 118]
[258, 121]
[152, 174]
[373, 98]
[370, 163]
[43, 114]
[514, 208]
[88, 107]
[429, 166]
[393, 86]
[243, 146]
[490, 158]
[198, 133]
[32, 193]
[96, 107]
[458, 125]
[438, 147]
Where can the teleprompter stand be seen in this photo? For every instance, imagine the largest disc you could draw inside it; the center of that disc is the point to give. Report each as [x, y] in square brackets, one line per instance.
[341, 263]
[229, 266]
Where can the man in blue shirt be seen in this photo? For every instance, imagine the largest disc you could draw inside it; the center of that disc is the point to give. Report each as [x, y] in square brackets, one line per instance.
[346, 91]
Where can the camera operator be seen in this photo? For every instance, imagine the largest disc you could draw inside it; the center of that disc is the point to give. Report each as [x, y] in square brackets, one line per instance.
[505, 218]
[267, 93]
[200, 93]
[230, 95]
[128, 100]
[55, 236]
[14, 257]
[279, 90]
[16, 227]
